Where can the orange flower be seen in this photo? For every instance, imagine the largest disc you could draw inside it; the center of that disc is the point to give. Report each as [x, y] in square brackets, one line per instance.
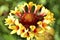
[30, 20]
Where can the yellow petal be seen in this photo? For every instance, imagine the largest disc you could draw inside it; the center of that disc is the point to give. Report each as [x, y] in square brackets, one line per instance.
[16, 22]
[41, 31]
[19, 32]
[13, 32]
[28, 38]
[16, 9]
[8, 21]
[13, 27]
[21, 26]
[30, 4]
[47, 21]
[25, 4]
[13, 12]
[39, 36]
[31, 34]
[24, 35]
[32, 27]
[39, 23]
[50, 30]
[44, 10]
[39, 6]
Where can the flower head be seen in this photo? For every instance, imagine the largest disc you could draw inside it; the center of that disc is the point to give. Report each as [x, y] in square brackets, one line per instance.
[32, 21]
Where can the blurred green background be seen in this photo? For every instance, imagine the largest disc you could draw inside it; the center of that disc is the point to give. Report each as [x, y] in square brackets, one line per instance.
[7, 5]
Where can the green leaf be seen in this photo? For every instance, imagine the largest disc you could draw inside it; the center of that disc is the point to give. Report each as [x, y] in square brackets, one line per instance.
[8, 37]
[3, 28]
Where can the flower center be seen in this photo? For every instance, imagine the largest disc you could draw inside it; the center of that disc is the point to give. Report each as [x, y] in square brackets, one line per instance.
[29, 19]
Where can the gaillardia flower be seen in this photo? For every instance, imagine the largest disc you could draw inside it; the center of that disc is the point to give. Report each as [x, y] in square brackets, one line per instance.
[30, 21]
